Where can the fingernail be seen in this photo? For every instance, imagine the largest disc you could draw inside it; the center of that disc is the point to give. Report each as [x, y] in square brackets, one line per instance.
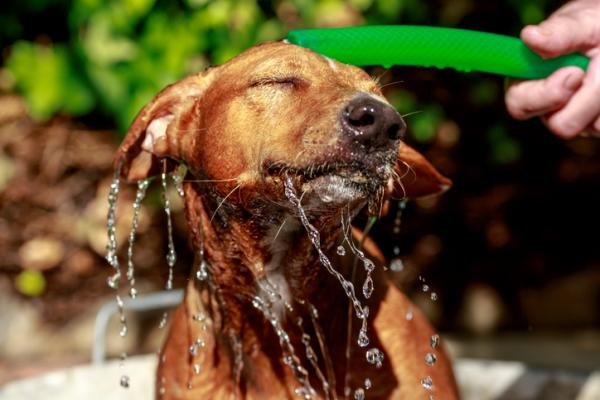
[571, 81]
[543, 30]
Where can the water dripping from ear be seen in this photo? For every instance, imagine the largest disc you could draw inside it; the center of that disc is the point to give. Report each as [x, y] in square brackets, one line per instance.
[137, 204]
[112, 248]
[171, 256]
[178, 176]
[112, 258]
[111, 230]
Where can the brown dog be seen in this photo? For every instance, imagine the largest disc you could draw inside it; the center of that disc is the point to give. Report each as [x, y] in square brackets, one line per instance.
[271, 321]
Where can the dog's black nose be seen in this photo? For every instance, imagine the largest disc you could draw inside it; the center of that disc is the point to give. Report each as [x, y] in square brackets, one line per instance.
[372, 123]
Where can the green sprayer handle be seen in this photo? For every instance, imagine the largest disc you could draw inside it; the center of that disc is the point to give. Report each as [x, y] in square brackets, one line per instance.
[426, 46]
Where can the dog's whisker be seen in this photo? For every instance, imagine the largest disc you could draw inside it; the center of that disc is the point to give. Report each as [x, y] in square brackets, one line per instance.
[299, 154]
[279, 230]
[409, 170]
[223, 201]
[410, 114]
[210, 180]
[381, 195]
[391, 84]
[377, 79]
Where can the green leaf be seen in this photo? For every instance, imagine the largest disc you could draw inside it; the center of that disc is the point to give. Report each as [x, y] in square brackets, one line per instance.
[423, 125]
[48, 80]
[504, 149]
[484, 92]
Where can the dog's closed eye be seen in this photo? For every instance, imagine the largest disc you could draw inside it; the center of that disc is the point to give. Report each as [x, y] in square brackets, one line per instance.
[288, 82]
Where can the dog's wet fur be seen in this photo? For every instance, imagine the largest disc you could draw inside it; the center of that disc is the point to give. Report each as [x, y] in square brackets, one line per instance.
[273, 112]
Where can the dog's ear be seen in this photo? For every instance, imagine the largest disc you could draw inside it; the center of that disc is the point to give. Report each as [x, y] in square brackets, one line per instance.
[417, 177]
[162, 130]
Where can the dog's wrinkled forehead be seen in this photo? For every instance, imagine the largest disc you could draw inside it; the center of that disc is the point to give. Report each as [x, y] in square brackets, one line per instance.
[280, 60]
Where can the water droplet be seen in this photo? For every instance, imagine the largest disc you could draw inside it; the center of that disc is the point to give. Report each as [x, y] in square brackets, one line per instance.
[178, 177]
[363, 339]
[347, 391]
[374, 356]
[171, 258]
[133, 293]
[162, 391]
[163, 321]
[196, 369]
[193, 350]
[368, 384]
[430, 359]
[202, 272]
[200, 317]
[368, 287]
[124, 381]
[396, 230]
[341, 250]
[113, 281]
[359, 394]
[409, 315]
[363, 313]
[434, 296]
[367, 264]
[123, 331]
[305, 393]
[425, 288]
[427, 383]
[397, 265]
[396, 250]
[434, 341]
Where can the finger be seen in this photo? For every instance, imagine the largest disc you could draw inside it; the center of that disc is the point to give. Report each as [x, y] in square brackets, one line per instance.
[596, 127]
[583, 108]
[562, 34]
[528, 99]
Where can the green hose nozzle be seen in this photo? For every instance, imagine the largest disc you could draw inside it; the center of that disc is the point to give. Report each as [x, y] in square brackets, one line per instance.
[427, 46]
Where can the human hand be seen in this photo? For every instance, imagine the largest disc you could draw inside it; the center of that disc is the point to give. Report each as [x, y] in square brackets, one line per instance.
[568, 100]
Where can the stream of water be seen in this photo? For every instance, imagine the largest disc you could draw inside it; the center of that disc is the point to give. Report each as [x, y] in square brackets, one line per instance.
[268, 304]
[373, 355]
[137, 204]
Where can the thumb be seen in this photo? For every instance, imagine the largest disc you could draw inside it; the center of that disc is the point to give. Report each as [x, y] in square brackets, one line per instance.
[560, 34]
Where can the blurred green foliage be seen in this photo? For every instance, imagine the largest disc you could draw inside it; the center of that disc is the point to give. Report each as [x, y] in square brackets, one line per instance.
[111, 56]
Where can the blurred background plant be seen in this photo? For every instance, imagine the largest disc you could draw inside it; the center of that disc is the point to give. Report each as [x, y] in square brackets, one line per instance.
[109, 57]
[507, 249]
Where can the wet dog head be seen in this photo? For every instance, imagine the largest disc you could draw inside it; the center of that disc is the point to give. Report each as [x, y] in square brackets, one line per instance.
[278, 110]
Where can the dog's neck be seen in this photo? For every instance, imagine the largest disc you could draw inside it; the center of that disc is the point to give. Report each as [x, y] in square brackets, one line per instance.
[257, 265]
